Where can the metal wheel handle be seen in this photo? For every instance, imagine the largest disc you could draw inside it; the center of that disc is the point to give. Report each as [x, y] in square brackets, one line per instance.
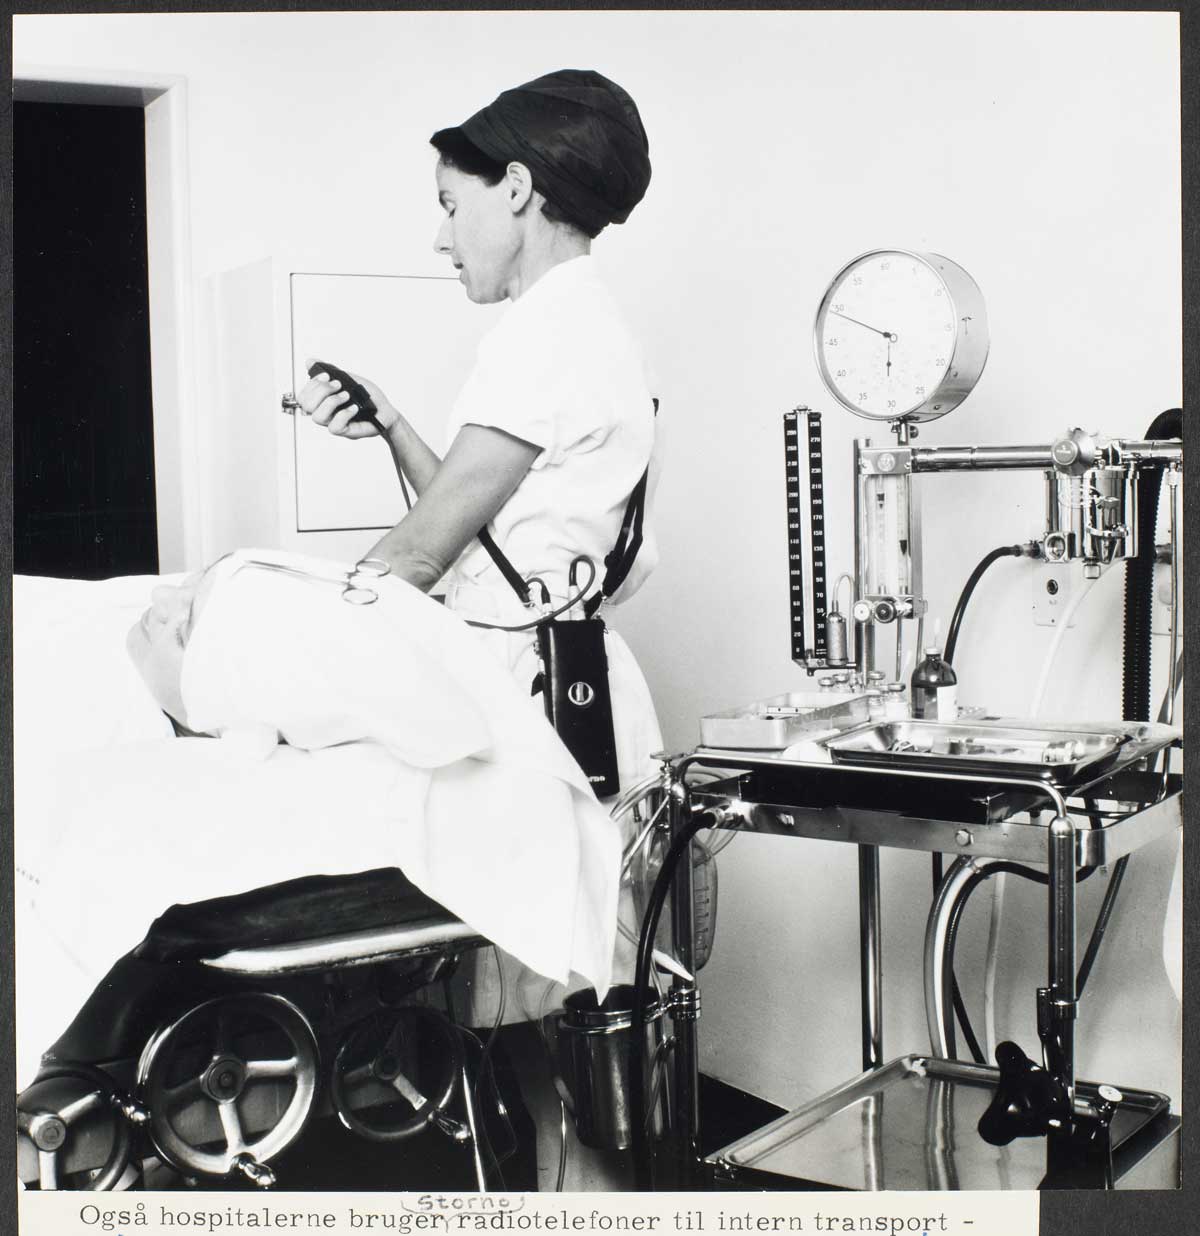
[48, 1130]
[224, 1075]
[380, 1038]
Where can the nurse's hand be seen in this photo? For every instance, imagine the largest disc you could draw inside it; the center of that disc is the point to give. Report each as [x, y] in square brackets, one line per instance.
[330, 406]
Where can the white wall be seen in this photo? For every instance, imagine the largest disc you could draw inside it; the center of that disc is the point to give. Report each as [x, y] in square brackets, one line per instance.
[1040, 151]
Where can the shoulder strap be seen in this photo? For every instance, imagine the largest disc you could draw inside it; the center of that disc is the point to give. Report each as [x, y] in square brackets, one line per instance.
[617, 563]
[515, 582]
[620, 560]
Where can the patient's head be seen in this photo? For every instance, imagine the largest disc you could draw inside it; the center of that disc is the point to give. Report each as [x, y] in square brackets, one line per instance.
[157, 641]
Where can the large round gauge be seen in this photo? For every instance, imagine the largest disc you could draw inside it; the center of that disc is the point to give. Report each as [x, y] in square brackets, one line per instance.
[901, 336]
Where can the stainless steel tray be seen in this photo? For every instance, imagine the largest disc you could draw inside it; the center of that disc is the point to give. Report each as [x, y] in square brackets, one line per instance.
[910, 1124]
[778, 722]
[1056, 754]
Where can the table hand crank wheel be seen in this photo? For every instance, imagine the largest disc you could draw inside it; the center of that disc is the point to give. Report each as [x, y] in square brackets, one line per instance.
[216, 1078]
[395, 1072]
[61, 1106]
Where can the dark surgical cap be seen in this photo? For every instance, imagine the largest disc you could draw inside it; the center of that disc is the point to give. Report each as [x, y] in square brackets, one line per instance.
[581, 137]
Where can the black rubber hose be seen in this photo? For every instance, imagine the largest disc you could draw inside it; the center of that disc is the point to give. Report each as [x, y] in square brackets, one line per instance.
[950, 988]
[1106, 908]
[960, 1011]
[956, 911]
[642, 1164]
[1138, 645]
[1139, 578]
[1003, 551]
[956, 998]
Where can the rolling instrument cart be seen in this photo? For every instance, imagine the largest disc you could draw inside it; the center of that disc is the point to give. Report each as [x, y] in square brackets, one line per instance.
[911, 1123]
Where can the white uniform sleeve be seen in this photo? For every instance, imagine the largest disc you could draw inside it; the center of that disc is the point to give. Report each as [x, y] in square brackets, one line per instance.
[530, 388]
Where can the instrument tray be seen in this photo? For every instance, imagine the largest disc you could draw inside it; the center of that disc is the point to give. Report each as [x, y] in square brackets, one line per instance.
[1059, 755]
[778, 722]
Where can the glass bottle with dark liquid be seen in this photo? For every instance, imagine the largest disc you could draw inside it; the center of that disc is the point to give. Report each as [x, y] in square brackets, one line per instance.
[934, 689]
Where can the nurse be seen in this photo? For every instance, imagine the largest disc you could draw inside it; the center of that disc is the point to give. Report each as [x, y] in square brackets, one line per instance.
[554, 427]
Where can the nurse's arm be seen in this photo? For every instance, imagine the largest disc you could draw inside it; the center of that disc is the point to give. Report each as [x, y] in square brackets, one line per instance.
[481, 469]
[412, 455]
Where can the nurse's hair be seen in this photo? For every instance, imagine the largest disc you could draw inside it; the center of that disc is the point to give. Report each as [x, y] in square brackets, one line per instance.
[458, 151]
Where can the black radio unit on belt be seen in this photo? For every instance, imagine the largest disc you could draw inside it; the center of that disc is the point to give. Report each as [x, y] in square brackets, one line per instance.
[574, 664]
[575, 690]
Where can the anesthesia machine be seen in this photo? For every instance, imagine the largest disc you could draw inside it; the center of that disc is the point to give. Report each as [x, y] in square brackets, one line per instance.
[866, 757]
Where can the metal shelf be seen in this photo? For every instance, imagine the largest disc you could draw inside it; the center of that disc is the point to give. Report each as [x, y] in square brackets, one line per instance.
[911, 1125]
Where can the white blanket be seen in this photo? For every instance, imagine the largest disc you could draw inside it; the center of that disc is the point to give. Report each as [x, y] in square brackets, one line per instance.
[409, 746]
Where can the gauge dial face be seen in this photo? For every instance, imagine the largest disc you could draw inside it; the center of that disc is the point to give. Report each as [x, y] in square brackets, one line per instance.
[885, 334]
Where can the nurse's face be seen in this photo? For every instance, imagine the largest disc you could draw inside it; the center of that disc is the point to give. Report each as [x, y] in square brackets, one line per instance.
[157, 641]
[479, 233]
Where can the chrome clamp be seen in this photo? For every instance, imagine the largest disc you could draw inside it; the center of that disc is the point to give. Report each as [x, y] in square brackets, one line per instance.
[683, 1003]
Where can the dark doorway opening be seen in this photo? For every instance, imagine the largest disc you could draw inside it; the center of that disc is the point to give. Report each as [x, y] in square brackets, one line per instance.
[83, 433]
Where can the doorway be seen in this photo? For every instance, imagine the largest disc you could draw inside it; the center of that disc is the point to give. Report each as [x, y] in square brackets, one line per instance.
[83, 430]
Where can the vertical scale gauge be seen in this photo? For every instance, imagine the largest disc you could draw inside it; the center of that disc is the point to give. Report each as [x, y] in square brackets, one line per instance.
[901, 336]
[814, 655]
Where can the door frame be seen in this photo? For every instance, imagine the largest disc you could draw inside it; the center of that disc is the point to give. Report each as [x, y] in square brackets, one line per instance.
[177, 449]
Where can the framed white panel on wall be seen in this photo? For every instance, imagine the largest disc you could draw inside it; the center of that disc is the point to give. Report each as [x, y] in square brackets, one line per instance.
[414, 337]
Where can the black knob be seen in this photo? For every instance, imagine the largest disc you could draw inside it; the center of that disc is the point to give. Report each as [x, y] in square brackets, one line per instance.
[1027, 1098]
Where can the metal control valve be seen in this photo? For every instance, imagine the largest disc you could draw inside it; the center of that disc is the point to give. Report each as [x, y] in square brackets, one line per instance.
[887, 609]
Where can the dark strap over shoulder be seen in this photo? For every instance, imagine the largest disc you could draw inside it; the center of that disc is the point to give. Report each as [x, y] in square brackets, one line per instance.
[620, 559]
[617, 563]
[515, 582]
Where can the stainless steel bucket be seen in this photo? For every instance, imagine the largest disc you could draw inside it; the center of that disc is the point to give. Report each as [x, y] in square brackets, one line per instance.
[594, 1047]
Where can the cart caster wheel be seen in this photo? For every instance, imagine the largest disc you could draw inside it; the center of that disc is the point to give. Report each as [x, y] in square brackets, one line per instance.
[395, 1073]
[63, 1105]
[224, 1067]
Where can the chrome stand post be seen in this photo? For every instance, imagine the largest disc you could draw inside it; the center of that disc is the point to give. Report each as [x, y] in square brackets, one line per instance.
[870, 956]
[684, 1006]
[1059, 1005]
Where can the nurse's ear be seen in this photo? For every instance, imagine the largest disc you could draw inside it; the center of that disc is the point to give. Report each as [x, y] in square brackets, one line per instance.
[518, 183]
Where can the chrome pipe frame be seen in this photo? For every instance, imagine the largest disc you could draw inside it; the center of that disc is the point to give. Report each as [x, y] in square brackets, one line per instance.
[870, 956]
[989, 458]
[979, 458]
[861, 629]
[872, 1118]
[683, 997]
[634, 795]
[1105, 461]
[1170, 450]
[1060, 1006]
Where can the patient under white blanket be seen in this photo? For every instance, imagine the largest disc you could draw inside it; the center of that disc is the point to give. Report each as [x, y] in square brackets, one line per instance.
[407, 745]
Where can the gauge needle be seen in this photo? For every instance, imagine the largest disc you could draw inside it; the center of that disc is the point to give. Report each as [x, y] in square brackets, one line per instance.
[889, 356]
[887, 334]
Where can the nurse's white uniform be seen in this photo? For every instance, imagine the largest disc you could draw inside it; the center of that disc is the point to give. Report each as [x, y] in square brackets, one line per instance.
[561, 371]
